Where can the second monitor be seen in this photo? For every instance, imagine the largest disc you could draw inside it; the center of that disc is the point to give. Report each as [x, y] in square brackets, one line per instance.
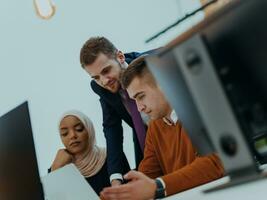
[214, 76]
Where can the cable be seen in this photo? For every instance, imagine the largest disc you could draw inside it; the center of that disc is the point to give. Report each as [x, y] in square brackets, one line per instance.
[181, 20]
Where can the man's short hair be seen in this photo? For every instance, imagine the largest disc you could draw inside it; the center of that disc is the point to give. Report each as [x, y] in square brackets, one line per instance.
[137, 68]
[93, 47]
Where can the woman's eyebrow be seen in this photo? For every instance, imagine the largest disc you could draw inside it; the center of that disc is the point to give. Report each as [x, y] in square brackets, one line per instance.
[78, 124]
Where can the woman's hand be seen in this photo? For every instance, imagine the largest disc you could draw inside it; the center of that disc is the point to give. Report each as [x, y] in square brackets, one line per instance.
[63, 158]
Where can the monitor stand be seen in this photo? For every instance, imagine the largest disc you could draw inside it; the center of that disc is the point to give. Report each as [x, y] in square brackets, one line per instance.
[243, 176]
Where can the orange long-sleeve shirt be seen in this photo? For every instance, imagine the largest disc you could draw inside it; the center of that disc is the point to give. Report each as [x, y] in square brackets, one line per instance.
[169, 154]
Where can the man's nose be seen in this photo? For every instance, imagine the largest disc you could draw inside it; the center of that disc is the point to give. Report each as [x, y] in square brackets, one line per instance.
[104, 81]
[140, 107]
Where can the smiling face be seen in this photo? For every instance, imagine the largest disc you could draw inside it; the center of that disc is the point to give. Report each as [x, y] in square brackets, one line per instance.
[106, 71]
[148, 97]
[74, 135]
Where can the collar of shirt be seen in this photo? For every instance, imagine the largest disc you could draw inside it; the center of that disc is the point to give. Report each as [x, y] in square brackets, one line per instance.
[172, 119]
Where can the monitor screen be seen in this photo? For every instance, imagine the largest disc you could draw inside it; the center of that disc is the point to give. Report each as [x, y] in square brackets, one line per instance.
[237, 44]
[19, 177]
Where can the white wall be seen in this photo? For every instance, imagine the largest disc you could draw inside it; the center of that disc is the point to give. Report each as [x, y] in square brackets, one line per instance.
[39, 60]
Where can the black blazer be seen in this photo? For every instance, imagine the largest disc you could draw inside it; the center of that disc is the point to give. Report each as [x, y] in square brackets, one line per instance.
[99, 181]
[113, 114]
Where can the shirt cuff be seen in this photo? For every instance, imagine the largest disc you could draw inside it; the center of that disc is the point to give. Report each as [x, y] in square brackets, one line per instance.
[117, 176]
[164, 186]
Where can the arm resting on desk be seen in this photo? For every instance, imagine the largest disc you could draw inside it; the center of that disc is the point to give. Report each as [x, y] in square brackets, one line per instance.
[201, 170]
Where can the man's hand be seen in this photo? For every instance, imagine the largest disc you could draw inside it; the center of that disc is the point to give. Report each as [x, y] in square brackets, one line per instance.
[115, 182]
[62, 158]
[140, 187]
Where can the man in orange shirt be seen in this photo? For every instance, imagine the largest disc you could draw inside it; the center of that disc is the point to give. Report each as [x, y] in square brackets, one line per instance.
[170, 163]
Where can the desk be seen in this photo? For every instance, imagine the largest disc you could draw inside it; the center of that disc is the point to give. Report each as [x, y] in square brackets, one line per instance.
[247, 191]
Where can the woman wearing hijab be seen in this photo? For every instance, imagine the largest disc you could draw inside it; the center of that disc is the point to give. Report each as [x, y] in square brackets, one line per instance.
[78, 136]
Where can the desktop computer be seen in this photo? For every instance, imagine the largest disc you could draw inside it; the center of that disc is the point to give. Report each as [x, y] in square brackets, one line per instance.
[214, 76]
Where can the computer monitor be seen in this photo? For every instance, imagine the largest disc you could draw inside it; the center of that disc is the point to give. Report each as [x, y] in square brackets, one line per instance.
[214, 75]
[19, 176]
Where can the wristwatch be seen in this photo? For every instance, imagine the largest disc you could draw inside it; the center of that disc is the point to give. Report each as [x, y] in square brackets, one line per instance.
[160, 191]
